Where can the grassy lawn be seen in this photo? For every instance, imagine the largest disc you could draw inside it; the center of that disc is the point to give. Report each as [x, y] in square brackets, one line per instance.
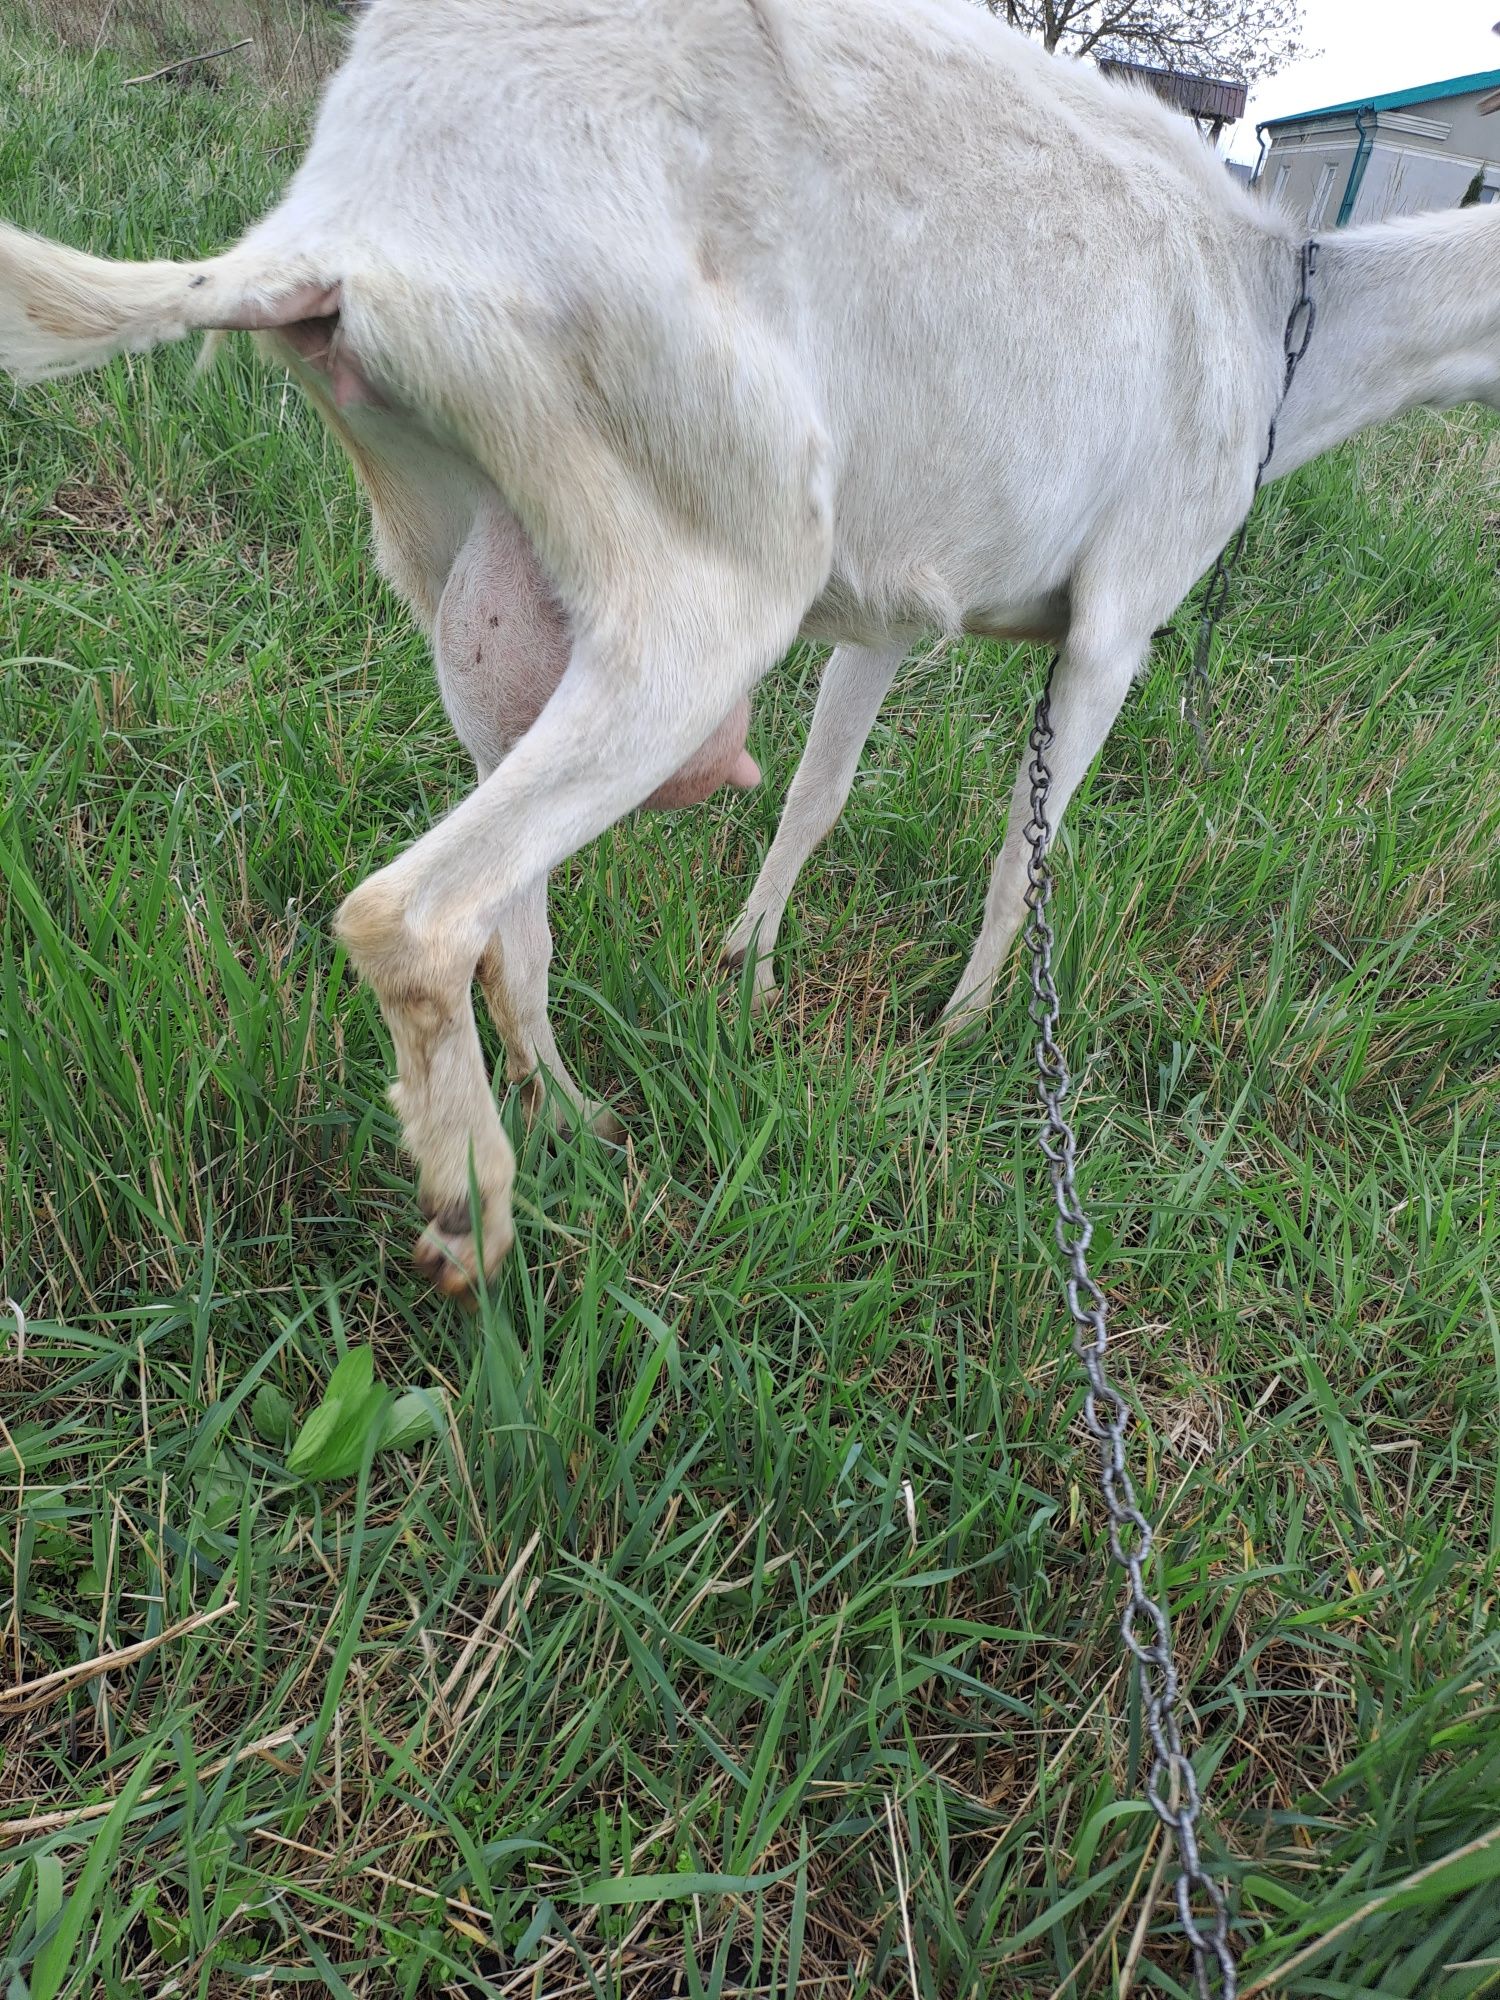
[745, 1624]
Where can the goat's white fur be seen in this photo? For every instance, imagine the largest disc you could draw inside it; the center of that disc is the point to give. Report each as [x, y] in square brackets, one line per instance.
[854, 319]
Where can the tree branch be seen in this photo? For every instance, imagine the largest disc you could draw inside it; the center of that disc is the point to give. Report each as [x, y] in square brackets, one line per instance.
[182, 62]
[1243, 39]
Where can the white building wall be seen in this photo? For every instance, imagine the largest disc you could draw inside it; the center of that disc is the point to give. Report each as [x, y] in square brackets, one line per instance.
[1400, 180]
[1423, 157]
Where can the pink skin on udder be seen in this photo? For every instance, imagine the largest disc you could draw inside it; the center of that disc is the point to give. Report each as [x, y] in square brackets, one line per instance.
[502, 644]
[501, 640]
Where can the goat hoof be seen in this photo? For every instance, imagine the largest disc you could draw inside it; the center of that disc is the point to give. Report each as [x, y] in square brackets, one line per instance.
[448, 1256]
[568, 1120]
[956, 1026]
[567, 1117]
[764, 992]
[602, 1122]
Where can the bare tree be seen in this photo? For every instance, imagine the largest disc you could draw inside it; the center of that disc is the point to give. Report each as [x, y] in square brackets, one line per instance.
[1242, 39]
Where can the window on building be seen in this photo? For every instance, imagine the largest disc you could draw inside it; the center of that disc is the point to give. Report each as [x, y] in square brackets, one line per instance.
[1317, 214]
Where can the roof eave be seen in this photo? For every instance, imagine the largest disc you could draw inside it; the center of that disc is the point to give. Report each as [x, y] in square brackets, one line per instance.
[1396, 100]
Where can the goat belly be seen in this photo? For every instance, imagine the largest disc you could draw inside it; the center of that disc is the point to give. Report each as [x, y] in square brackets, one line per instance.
[502, 642]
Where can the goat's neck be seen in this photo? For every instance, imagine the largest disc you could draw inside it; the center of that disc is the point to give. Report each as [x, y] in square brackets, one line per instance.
[1408, 313]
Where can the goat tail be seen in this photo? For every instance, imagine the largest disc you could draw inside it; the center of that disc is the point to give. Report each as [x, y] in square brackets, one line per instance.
[61, 310]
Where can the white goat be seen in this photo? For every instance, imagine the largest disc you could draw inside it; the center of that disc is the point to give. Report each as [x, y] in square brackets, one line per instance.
[739, 320]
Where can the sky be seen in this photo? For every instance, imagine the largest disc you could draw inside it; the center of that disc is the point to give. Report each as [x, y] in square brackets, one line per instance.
[1370, 47]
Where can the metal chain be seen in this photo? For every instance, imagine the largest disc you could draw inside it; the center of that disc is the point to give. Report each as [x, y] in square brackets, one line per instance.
[1295, 341]
[1172, 1786]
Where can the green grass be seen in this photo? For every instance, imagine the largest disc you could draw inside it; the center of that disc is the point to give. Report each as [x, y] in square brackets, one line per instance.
[639, 1673]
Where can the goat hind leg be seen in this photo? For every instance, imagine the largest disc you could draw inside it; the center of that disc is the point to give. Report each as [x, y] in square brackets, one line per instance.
[619, 722]
[513, 979]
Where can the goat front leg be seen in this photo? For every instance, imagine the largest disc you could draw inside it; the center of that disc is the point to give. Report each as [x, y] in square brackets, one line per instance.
[513, 979]
[854, 684]
[623, 717]
[1089, 687]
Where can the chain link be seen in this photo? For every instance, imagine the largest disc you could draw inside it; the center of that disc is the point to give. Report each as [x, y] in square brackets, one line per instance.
[1172, 1785]
[1295, 341]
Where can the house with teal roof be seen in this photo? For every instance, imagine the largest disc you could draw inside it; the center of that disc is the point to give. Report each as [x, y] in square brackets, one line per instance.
[1370, 158]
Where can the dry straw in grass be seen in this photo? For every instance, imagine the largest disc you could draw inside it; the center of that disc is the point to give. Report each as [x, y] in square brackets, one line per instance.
[282, 45]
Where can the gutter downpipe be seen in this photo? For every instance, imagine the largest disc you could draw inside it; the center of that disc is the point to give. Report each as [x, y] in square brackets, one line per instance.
[1361, 160]
[1260, 164]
